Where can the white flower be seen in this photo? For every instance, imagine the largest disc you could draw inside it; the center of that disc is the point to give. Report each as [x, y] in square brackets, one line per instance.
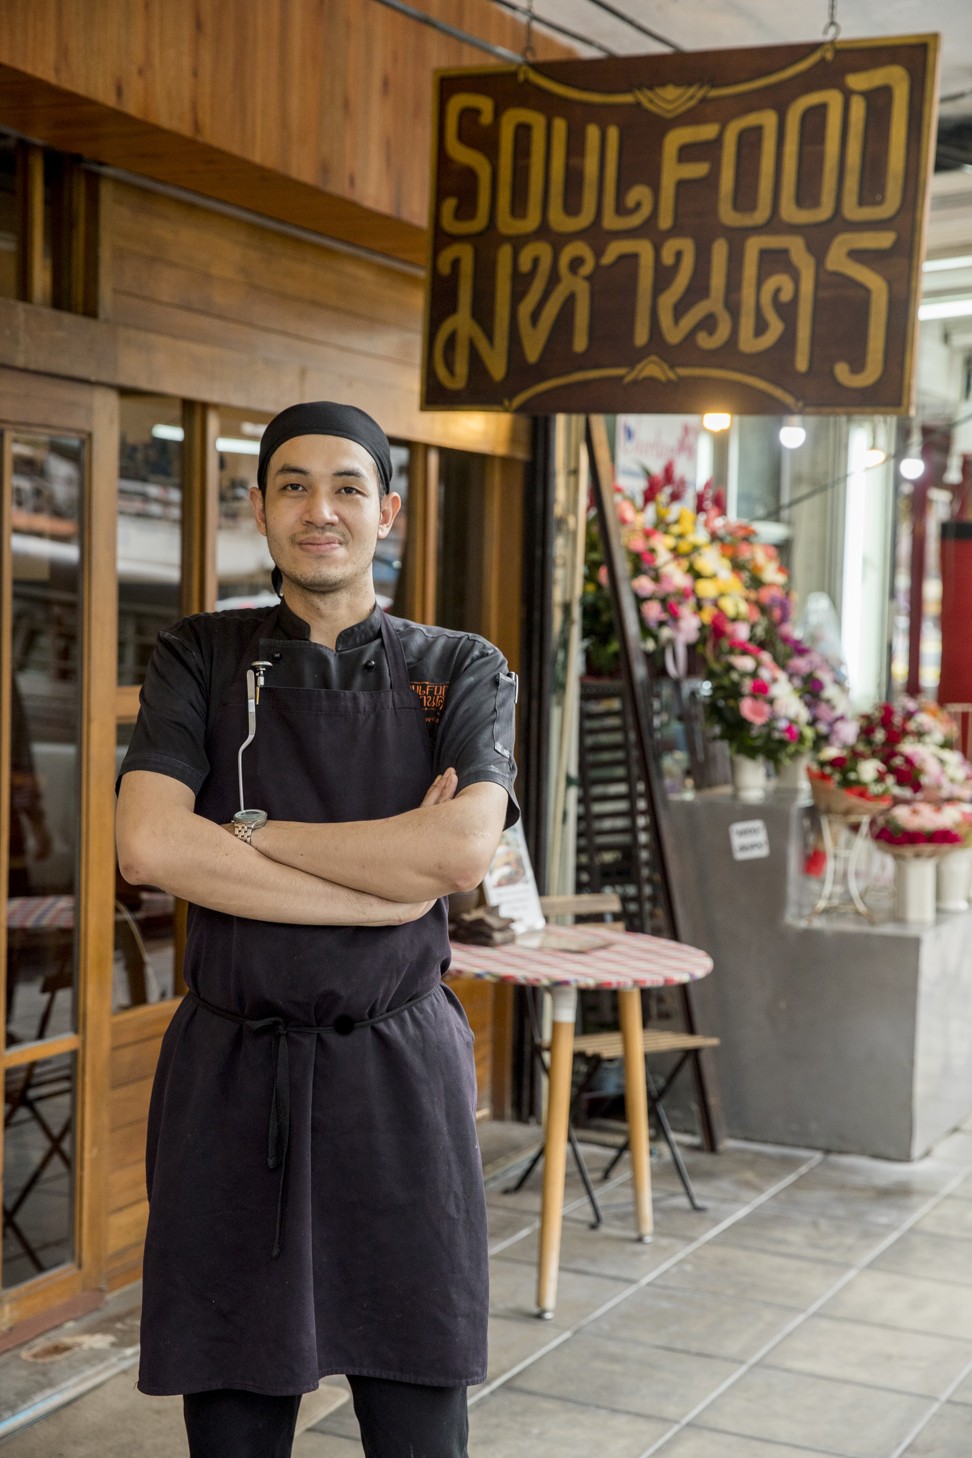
[868, 770]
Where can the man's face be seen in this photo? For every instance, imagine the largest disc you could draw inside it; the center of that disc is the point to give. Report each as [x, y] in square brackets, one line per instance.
[323, 513]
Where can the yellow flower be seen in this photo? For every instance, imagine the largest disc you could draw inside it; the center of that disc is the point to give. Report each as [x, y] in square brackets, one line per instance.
[733, 607]
[706, 588]
[707, 614]
[669, 541]
[686, 520]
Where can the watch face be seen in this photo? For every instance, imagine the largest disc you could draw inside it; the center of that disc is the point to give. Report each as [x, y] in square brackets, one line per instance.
[253, 818]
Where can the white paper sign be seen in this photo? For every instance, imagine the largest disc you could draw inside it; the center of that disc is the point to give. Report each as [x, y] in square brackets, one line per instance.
[749, 840]
[509, 884]
[647, 442]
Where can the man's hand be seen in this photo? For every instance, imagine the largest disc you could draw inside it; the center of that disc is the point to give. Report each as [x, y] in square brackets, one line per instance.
[442, 789]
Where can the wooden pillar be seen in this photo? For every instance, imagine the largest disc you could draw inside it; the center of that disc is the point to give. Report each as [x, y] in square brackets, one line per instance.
[31, 281]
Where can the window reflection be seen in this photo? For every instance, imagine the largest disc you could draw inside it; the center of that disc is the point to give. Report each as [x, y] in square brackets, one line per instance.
[43, 823]
[144, 962]
[149, 527]
[243, 564]
[38, 1168]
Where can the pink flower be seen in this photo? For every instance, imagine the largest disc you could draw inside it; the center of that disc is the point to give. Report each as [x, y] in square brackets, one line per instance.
[792, 732]
[626, 512]
[652, 612]
[760, 686]
[754, 711]
[644, 585]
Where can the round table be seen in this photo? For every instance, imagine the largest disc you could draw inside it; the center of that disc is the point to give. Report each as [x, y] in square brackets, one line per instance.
[625, 962]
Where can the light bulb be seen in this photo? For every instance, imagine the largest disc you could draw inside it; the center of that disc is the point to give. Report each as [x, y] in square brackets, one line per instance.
[792, 436]
[912, 467]
[716, 420]
[874, 457]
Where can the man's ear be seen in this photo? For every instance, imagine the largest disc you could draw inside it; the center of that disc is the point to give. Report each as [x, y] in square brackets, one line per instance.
[391, 505]
[259, 507]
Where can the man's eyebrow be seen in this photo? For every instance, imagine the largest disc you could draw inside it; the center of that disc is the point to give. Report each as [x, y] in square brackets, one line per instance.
[291, 471]
[358, 472]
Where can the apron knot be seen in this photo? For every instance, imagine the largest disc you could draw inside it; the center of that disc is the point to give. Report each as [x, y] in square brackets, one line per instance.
[278, 1129]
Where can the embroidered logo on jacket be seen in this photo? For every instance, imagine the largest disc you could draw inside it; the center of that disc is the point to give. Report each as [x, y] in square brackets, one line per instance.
[433, 696]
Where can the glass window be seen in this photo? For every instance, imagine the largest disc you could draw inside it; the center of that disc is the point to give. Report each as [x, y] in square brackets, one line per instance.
[757, 487]
[45, 701]
[149, 527]
[38, 1168]
[243, 564]
[144, 962]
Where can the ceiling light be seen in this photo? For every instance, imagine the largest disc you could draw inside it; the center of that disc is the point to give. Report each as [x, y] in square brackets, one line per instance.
[233, 445]
[250, 427]
[911, 464]
[792, 433]
[944, 265]
[874, 456]
[946, 309]
[168, 432]
[716, 420]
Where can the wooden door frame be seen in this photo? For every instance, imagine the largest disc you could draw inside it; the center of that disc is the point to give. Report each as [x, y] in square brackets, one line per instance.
[37, 403]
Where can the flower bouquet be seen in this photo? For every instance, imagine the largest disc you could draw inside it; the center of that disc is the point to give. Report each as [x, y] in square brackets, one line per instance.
[924, 830]
[754, 705]
[849, 781]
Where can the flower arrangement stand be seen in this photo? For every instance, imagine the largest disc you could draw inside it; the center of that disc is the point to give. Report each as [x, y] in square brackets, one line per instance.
[844, 841]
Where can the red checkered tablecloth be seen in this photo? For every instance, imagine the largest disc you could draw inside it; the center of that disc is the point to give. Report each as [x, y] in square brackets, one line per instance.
[626, 959]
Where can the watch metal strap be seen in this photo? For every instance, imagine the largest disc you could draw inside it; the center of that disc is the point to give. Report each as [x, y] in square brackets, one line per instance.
[243, 832]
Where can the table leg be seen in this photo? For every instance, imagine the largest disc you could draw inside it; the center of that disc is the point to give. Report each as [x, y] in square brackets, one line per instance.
[636, 1105]
[555, 1145]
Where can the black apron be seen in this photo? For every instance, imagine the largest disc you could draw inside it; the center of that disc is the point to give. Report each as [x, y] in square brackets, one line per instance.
[315, 1189]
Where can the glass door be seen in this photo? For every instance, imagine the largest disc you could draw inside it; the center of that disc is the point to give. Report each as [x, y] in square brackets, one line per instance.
[54, 807]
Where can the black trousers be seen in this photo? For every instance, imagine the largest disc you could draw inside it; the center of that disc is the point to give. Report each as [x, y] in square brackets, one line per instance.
[397, 1420]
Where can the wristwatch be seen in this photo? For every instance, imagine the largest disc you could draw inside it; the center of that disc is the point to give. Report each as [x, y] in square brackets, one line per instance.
[245, 822]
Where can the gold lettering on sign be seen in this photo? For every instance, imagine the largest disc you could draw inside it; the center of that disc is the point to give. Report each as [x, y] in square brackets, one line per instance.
[461, 329]
[767, 123]
[535, 124]
[674, 170]
[560, 220]
[896, 80]
[681, 252]
[791, 209]
[640, 198]
[575, 265]
[840, 260]
[759, 299]
[485, 108]
[644, 251]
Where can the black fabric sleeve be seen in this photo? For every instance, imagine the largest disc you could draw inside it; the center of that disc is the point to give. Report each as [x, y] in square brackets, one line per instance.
[170, 732]
[476, 732]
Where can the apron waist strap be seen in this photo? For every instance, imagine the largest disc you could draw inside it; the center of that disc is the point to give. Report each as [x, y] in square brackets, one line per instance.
[278, 1128]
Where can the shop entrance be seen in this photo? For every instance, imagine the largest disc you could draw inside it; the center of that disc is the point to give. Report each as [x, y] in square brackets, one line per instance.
[57, 643]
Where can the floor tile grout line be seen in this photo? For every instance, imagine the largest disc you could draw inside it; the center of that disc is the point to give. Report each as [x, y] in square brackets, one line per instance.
[961, 1174]
[490, 1387]
[616, 1184]
[939, 1403]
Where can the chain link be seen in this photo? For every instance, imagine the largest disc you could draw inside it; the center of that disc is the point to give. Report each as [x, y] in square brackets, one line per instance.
[832, 28]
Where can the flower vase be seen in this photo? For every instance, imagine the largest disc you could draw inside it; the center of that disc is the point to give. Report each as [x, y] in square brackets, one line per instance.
[914, 889]
[748, 777]
[792, 775]
[954, 877]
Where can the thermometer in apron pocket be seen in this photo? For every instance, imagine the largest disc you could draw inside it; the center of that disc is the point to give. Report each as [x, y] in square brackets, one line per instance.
[245, 821]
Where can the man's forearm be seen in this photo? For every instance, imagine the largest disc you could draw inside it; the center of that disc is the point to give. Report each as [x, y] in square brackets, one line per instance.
[429, 852]
[193, 858]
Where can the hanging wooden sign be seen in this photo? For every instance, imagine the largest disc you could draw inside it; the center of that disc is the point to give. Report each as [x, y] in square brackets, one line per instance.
[721, 229]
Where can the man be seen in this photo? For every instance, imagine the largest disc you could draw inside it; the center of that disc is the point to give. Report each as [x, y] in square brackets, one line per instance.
[315, 1191]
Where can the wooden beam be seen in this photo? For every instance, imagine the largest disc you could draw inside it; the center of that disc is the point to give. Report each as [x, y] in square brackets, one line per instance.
[200, 507]
[423, 533]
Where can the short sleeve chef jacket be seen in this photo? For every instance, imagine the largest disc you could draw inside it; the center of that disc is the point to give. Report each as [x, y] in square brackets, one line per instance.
[463, 681]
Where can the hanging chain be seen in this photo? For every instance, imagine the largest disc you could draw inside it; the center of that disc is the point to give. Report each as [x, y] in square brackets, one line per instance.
[832, 28]
[529, 54]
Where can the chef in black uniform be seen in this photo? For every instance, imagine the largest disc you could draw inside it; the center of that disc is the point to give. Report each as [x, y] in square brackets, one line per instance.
[315, 1191]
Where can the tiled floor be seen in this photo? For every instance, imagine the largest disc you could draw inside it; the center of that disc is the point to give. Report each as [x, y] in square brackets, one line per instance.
[819, 1306]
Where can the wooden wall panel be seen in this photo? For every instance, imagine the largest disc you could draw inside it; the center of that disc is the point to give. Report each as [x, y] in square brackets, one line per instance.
[214, 308]
[334, 95]
[135, 1040]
